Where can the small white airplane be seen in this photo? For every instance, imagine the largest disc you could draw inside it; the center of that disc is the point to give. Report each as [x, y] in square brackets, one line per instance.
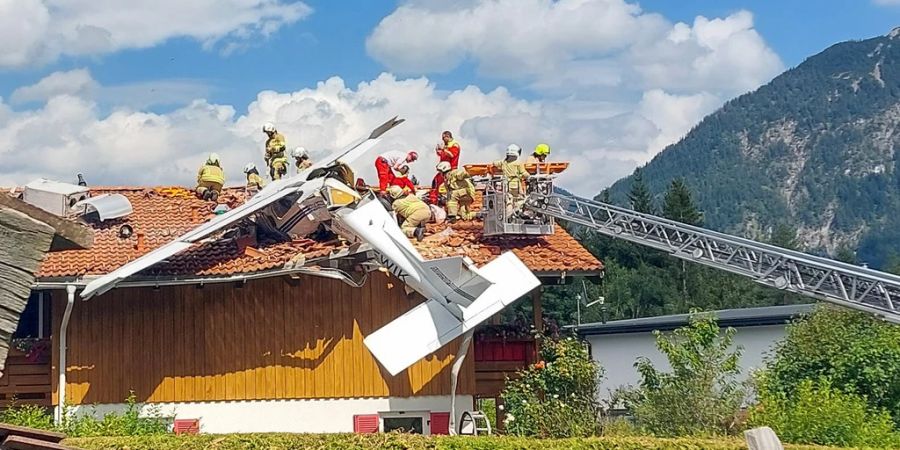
[459, 295]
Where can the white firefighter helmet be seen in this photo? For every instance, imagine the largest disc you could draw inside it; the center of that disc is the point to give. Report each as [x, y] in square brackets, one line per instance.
[268, 127]
[443, 167]
[213, 158]
[395, 192]
[513, 150]
[299, 152]
[250, 167]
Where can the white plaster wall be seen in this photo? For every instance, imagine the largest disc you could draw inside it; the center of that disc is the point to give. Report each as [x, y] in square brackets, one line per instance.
[291, 416]
[618, 352]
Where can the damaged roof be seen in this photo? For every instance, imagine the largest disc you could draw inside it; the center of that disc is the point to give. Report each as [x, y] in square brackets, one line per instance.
[163, 213]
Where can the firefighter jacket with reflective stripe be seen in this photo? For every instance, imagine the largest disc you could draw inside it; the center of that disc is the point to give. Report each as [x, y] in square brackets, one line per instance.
[459, 179]
[514, 172]
[408, 205]
[275, 146]
[212, 174]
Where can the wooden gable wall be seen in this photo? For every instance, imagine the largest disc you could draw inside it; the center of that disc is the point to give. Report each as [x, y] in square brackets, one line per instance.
[273, 338]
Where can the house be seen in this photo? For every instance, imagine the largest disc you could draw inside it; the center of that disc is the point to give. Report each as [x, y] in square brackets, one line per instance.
[251, 336]
[617, 344]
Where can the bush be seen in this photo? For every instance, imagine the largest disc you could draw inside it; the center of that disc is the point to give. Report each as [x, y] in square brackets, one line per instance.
[817, 413]
[400, 441]
[557, 397]
[131, 423]
[28, 416]
[854, 350]
[701, 396]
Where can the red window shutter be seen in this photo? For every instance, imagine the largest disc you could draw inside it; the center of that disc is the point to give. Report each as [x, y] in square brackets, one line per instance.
[440, 423]
[365, 423]
[186, 426]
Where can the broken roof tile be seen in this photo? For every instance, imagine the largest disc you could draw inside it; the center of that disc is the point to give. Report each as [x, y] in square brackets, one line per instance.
[163, 213]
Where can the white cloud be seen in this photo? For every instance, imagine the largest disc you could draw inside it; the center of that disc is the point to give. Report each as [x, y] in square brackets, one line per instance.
[137, 95]
[886, 2]
[617, 83]
[76, 82]
[576, 44]
[129, 146]
[39, 31]
[673, 115]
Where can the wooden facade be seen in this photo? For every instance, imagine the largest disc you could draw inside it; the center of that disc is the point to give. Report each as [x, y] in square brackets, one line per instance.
[26, 377]
[275, 338]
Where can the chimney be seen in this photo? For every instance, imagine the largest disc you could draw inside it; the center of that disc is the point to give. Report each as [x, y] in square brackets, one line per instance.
[140, 242]
[81, 181]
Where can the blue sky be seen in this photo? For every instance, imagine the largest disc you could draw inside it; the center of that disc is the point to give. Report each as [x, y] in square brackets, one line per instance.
[161, 69]
[332, 42]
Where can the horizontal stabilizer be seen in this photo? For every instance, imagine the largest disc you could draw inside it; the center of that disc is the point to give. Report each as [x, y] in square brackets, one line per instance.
[430, 325]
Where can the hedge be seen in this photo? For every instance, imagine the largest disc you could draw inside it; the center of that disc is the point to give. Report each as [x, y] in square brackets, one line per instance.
[399, 441]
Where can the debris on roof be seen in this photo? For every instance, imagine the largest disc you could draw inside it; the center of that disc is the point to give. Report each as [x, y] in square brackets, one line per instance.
[163, 213]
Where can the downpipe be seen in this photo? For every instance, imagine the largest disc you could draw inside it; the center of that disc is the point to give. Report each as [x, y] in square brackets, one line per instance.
[63, 330]
[454, 376]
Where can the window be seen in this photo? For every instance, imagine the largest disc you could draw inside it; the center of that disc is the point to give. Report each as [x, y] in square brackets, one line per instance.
[411, 424]
[34, 322]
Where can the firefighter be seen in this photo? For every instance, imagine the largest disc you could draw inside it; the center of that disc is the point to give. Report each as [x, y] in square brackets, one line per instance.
[541, 152]
[275, 147]
[514, 174]
[461, 192]
[403, 180]
[254, 182]
[414, 212]
[438, 193]
[448, 150]
[301, 159]
[387, 162]
[210, 178]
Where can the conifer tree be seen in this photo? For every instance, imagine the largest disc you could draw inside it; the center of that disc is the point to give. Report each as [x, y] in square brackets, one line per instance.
[640, 198]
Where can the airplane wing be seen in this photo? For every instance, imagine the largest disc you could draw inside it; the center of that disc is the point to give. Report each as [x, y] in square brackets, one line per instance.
[453, 280]
[270, 194]
[459, 295]
[430, 325]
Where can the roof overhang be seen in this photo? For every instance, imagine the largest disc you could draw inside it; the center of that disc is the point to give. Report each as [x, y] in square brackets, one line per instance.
[767, 316]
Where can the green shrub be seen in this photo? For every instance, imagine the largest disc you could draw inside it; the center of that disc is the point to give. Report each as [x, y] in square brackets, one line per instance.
[28, 416]
[856, 351]
[399, 441]
[130, 423]
[817, 413]
[701, 395]
[556, 397]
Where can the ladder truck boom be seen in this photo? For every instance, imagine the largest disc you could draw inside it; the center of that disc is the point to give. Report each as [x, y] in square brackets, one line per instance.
[844, 284]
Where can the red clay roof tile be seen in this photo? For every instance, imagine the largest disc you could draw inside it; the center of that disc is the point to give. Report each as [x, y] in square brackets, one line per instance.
[161, 214]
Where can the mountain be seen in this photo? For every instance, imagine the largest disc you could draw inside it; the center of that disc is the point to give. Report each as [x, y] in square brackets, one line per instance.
[813, 149]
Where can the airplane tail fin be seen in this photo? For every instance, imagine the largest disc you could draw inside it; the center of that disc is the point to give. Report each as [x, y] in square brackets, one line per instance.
[430, 325]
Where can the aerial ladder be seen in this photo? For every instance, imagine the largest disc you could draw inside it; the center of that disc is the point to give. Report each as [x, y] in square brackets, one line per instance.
[848, 285]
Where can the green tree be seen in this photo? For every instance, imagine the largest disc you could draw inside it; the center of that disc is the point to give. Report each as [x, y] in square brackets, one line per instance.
[785, 236]
[701, 395]
[846, 254]
[556, 397]
[854, 350]
[640, 198]
[820, 413]
[679, 205]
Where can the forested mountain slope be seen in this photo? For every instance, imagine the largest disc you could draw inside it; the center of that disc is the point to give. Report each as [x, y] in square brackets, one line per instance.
[813, 149]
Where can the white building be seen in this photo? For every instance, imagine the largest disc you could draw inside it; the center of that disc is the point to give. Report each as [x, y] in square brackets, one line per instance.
[616, 345]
